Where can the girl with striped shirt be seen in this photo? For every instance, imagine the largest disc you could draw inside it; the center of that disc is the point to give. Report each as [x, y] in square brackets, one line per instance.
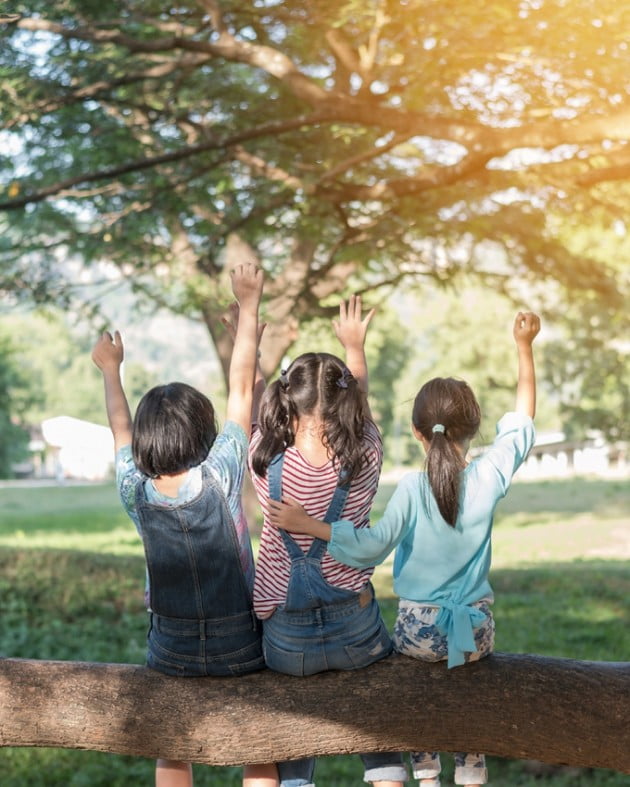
[316, 443]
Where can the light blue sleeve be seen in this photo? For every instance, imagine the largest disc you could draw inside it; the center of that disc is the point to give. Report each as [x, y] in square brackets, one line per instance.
[368, 546]
[227, 458]
[127, 479]
[513, 442]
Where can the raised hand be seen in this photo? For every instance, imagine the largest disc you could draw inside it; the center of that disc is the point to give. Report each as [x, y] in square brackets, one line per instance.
[108, 353]
[526, 327]
[247, 284]
[351, 328]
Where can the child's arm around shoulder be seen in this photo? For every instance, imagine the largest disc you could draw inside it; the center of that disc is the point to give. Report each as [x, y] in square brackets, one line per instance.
[526, 328]
[247, 285]
[359, 547]
[290, 515]
[108, 354]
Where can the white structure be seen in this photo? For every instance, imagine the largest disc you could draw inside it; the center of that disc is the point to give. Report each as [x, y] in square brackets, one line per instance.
[553, 456]
[81, 449]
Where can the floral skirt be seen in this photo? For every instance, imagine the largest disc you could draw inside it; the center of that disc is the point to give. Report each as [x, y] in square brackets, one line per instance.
[416, 635]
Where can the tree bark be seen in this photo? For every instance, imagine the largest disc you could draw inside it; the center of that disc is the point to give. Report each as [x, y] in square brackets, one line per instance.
[558, 711]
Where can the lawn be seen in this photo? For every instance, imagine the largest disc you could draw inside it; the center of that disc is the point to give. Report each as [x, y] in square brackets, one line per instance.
[71, 578]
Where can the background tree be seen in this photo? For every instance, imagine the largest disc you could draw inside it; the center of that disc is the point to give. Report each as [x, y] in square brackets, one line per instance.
[466, 334]
[349, 146]
[17, 392]
[587, 363]
[58, 356]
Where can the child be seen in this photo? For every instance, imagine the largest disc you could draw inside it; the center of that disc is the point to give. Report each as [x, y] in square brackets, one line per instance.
[441, 523]
[316, 440]
[181, 482]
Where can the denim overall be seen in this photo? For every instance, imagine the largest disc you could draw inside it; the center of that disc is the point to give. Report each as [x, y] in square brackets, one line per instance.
[202, 621]
[321, 627]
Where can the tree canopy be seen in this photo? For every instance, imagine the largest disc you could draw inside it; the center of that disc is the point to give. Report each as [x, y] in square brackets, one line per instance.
[348, 145]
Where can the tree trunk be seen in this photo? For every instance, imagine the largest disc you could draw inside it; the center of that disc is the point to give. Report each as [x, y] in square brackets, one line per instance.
[557, 711]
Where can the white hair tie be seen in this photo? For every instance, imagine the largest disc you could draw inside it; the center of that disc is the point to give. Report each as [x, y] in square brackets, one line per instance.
[439, 428]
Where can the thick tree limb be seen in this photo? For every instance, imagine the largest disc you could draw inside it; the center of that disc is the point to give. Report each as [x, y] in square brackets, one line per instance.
[519, 706]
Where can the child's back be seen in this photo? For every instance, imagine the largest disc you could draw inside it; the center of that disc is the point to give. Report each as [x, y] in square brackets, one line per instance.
[181, 484]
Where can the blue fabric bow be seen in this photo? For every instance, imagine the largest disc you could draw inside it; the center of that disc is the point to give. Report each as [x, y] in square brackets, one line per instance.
[456, 622]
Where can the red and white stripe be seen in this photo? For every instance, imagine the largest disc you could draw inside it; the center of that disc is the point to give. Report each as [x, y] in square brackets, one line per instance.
[313, 488]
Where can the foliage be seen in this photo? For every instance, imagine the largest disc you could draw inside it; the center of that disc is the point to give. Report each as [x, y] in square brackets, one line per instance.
[58, 356]
[351, 146]
[465, 333]
[588, 365]
[17, 392]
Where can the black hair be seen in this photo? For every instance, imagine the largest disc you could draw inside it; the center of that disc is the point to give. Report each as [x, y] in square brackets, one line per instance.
[314, 383]
[173, 430]
[452, 405]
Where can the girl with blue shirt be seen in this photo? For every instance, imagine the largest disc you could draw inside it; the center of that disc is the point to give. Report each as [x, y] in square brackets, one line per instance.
[440, 523]
[181, 484]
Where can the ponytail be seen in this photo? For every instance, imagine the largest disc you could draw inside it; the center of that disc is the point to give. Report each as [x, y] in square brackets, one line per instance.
[447, 415]
[444, 466]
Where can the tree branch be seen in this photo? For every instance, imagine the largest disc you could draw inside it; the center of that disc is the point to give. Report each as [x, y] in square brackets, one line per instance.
[559, 711]
[149, 162]
[102, 87]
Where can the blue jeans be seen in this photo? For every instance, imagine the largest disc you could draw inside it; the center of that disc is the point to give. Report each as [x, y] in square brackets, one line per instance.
[322, 627]
[190, 648]
[202, 618]
[347, 635]
[378, 767]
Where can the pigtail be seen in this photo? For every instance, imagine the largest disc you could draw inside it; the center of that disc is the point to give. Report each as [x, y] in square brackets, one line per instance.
[344, 413]
[275, 422]
[447, 415]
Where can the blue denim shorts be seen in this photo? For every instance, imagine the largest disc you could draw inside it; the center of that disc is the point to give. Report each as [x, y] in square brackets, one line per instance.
[191, 648]
[347, 635]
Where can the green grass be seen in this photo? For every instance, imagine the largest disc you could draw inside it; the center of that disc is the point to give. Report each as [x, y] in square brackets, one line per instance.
[71, 582]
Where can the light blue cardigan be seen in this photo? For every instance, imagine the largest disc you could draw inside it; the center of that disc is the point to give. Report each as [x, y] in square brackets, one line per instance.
[435, 563]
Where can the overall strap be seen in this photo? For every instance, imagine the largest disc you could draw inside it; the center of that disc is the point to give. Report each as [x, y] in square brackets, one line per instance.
[274, 481]
[318, 547]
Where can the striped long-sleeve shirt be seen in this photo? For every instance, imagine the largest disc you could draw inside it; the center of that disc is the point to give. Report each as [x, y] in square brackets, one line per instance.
[313, 488]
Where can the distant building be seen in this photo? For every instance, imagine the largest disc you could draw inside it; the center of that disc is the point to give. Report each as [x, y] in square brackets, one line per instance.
[554, 456]
[74, 449]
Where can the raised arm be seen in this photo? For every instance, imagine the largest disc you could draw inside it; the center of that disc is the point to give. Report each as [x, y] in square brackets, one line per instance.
[351, 330]
[526, 327]
[108, 355]
[247, 285]
[230, 321]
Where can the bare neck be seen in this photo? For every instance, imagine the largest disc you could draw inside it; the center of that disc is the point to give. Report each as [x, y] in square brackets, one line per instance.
[169, 485]
[309, 440]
